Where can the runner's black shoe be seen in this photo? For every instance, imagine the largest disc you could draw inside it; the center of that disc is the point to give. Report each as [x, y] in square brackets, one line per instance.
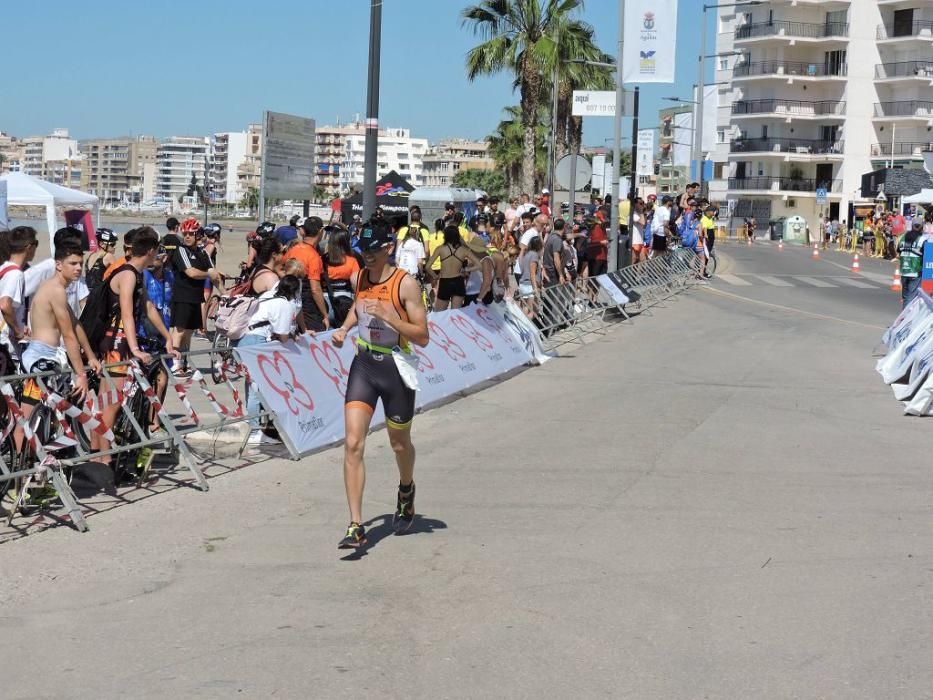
[355, 537]
[404, 510]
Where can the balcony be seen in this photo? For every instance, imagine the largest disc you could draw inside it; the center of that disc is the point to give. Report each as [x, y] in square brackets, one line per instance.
[905, 110]
[901, 150]
[787, 146]
[898, 31]
[793, 30]
[788, 69]
[905, 71]
[789, 108]
[777, 183]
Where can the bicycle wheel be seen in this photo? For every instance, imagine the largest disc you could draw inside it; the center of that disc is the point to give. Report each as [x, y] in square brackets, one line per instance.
[220, 344]
[213, 304]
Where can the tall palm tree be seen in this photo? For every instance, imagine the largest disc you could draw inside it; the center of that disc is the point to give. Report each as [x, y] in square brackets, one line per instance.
[519, 36]
[506, 148]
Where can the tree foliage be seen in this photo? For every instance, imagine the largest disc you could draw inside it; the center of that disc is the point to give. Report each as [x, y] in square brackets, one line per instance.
[490, 181]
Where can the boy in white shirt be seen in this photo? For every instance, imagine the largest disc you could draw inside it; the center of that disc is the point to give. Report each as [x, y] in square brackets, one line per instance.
[274, 319]
[20, 248]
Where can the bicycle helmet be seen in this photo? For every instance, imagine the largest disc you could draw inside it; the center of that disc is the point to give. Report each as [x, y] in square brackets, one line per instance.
[106, 236]
[190, 226]
[265, 229]
[212, 230]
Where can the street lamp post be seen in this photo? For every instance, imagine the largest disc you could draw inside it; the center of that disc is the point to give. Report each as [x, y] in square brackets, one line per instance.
[372, 110]
[698, 122]
[617, 151]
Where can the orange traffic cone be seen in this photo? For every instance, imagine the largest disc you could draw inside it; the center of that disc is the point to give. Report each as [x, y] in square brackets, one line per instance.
[816, 252]
[855, 267]
[896, 284]
[781, 244]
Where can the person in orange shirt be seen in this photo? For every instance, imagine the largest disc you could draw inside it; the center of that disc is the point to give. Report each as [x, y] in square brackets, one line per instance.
[314, 310]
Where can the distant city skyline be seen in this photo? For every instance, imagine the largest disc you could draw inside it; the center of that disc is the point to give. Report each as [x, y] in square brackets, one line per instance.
[130, 83]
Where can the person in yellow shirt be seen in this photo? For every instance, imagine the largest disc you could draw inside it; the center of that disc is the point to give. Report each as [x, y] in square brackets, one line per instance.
[414, 214]
[433, 241]
[625, 210]
[708, 226]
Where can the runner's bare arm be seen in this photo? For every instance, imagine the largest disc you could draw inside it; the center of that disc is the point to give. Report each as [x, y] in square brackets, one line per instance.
[64, 319]
[6, 307]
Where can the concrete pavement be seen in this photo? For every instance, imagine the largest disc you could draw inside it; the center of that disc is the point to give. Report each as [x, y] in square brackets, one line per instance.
[721, 500]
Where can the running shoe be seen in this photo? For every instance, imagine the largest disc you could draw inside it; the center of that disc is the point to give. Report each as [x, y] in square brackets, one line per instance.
[258, 437]
[404, 510]
[355, 537]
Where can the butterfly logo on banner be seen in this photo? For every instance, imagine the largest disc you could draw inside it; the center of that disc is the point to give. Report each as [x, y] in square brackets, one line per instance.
[463, 324]
[280, 376]
[425, 363]
[328, 359]
[440, 338]
[489, 322]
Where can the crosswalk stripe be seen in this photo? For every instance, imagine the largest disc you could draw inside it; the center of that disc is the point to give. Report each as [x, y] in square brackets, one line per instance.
[814, 282]
[774, 281]
[733, 280]
[855, 283]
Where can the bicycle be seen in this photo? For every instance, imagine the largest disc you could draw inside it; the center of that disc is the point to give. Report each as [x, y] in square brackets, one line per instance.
[31, 494]
[138, 405]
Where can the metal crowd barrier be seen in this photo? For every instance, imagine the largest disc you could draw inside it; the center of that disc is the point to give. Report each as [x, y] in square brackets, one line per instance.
[53, 445]
[569, 312]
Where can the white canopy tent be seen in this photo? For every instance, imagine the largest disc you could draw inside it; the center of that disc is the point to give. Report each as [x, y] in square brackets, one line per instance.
[924, 196]
[27, 191]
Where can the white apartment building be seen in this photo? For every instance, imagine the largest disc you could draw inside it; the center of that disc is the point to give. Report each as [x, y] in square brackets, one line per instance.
[119, 170]
[248, 171]
[228, 153]
[824, 92]
[397, 151]
[177, 159]
[11, 153]
[449, 156]
[54, 158]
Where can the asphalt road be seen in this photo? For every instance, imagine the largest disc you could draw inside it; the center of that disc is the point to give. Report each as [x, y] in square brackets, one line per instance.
[720, 500]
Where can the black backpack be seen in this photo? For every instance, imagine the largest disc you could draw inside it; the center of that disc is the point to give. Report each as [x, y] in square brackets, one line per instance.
[95, 274]
[95, 317]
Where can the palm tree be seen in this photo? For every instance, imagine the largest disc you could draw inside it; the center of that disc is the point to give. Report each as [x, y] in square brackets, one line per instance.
[506, 147]
[519, 36]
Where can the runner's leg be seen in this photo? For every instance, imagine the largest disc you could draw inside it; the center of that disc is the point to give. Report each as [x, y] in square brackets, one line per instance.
[354, 470]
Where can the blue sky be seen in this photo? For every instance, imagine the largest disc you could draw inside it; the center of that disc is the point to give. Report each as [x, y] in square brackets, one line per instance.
[164, 67]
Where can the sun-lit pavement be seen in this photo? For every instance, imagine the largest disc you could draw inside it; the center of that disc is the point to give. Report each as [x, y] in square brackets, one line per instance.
[719, 500]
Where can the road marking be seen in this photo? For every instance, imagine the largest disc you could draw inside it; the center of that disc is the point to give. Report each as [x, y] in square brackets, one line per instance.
[774, 281]
[855, 283]
[814, 282]
[732, 279]
[721, 292]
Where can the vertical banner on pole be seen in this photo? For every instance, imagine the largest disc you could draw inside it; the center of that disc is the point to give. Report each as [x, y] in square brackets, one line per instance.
[644, 164]
[650, 41]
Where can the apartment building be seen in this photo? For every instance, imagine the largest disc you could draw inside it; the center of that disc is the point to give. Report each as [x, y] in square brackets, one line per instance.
[674, 149]
[119, 170]
[54, 158]
[825, 91]
[248, 171]
[330, 154]
[228, 152]
[177, 160]
[397, 150]
[11, 153]
[449, 156]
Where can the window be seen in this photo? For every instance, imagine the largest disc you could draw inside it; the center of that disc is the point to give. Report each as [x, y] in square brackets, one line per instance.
[723, 64]
[720, 136]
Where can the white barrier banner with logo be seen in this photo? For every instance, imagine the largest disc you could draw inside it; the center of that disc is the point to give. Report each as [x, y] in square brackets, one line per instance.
[304, 382]
[650, 41]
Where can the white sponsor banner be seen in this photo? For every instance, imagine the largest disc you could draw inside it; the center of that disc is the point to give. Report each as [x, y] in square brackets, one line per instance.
[612, 290]
[4, 219]
[650, 41]
[600, 103]
[644, 164]
[304, 382]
